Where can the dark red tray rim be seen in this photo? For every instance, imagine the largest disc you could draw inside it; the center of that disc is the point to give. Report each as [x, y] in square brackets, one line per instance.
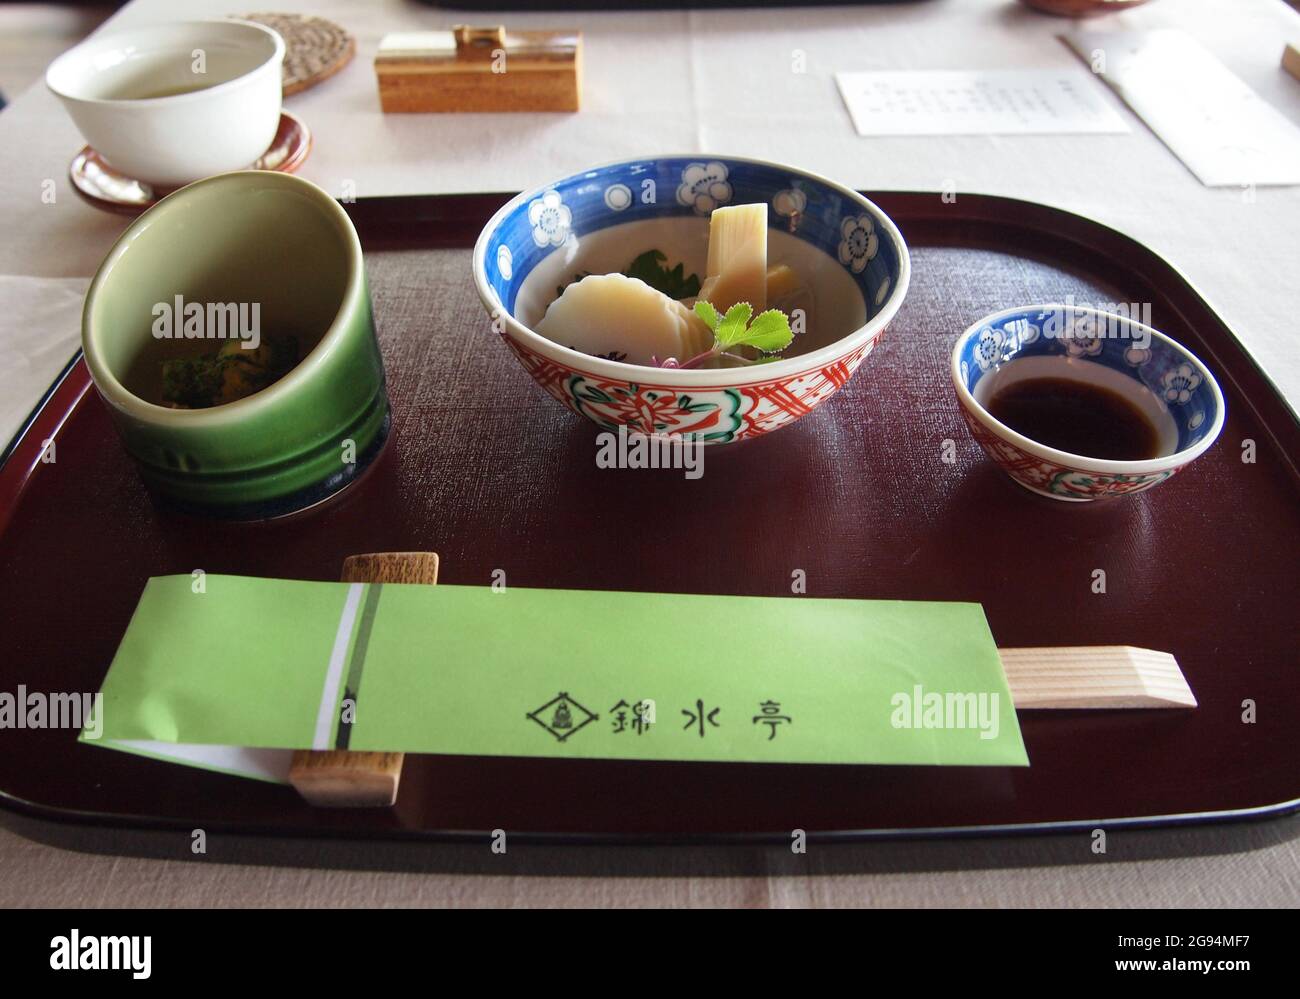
[393, 222]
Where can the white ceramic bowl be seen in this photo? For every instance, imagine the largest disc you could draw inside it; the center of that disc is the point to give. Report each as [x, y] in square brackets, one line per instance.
[131, 95]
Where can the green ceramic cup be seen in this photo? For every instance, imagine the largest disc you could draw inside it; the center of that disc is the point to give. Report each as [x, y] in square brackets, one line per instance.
[250, 238]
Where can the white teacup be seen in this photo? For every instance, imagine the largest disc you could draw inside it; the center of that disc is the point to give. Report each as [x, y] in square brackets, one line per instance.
[171, 103]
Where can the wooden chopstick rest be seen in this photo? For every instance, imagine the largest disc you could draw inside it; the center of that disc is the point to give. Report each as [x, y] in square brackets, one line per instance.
[339, 778]
[1101, 676]
[479, 69]
[343, 778]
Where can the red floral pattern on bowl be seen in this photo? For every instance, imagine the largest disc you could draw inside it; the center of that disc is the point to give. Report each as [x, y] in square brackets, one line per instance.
[715, 414]
[1057, 480]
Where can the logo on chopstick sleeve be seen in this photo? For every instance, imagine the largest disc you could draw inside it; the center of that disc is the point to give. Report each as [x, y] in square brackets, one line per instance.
[562, 716]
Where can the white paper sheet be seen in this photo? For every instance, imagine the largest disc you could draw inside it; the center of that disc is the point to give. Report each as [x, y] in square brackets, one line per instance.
[997, 102]
[259, 764]
[1223, 131]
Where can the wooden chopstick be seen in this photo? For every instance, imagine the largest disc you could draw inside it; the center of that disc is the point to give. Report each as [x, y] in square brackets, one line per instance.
[1101, 676]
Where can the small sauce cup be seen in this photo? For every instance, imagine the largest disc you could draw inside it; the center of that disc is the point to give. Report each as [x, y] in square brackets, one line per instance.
[1159, 377]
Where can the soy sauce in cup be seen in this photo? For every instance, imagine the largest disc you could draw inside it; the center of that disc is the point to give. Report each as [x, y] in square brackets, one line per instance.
[1077, 417]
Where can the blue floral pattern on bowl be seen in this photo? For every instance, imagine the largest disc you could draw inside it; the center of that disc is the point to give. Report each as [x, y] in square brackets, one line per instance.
[643, 189]
[1183, 386]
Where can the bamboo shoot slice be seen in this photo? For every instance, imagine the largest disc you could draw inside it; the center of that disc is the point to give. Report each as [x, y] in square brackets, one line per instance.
[787, 292]
[737, 266]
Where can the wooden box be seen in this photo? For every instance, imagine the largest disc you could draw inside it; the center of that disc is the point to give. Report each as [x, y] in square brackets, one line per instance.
[480, 69]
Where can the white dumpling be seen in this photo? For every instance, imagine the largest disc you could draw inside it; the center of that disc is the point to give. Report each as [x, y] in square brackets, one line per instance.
[623, 318]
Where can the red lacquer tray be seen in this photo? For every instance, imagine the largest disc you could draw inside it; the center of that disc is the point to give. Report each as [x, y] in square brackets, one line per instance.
[485, 469]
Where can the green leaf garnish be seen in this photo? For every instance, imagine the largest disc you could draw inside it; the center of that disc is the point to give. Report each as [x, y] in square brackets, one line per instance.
[731, 331]
[769, 333]
[649, 267]
[709, 314]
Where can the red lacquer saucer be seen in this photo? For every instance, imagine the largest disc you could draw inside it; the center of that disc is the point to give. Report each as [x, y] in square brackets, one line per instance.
[107, 188]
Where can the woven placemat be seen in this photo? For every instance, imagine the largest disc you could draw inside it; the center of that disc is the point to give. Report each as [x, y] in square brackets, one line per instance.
[314, 48]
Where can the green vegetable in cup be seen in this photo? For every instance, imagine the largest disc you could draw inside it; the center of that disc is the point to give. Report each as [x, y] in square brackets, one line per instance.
[227, 374]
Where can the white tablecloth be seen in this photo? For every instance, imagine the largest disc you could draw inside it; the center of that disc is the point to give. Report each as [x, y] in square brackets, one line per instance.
[721, 82]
